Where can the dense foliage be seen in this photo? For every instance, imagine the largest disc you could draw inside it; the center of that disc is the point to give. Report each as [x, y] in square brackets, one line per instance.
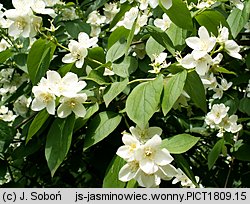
[129, 93]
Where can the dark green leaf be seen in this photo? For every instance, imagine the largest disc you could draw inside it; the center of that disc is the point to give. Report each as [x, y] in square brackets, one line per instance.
[6, 135]
[179, 144]
[58, 142]
[144, 100]
[161, 37]
[214, 153]
[179, 14]
[212, 20]
[243, 153]
[37, 123]
[111, 178]
[100, 127]
[80, 122]
[117, 34]
[173, 88]
[195, 90]
[244, 106]
[76, 26]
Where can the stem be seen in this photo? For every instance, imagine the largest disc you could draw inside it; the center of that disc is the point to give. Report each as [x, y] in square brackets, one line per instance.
[95, 61]
[141, 80]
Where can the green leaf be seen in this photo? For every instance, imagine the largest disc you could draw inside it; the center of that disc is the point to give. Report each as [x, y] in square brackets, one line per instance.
[243, 153]
[153, 48]
[77, 26]
[100, 127]
[161, 37]
[97, 76]
[114, 90]
[126, 67]
[63, 70]
[212, 20]
[132, 184]
[39, 58]
[195, 90]
[6, 135]
[111, 178]
[58, 142]
[80, 122]
[244, 106]
[130, 37]
[116, 51]
[214, 153]
[116, 35]
[179, 14]
[173, 88]
[143, 101]
[238, 18]
[6, 54]
[97, 53]
[224, 70]
[177, 36]
[37, 123]
[179, 144]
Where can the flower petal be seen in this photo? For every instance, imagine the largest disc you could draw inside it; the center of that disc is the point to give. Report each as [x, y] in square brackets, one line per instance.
[63, 111]
[162, 157]
[79, 110]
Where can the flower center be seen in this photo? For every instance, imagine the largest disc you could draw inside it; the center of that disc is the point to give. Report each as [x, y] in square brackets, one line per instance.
[148, 152]
[47, 97]
[20, 24]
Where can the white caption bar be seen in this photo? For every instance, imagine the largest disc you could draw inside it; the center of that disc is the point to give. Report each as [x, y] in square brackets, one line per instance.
[140, 196]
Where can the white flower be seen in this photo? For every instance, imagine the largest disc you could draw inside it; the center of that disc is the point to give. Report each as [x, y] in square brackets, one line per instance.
[78, 50]
[68, 14]
[4, 45]
[21, 105]
[238, 3]
[145, 134]
[129, 171]
[163, 23]
[77, 54]
[159, 63]
[145, 3]
[182, 177]
[94, 18]
[205, 4]
[72, 104]
[44, 98]
[209, 81]
[230, 124]
[247, 27]
[201, 65]
[127, 151]
[230, 46]
[202, 45]
[110, 10]
[67, 86]
[217, 113]
[224, 85]
[248, 89]
[85, 41]
[221, 87]
[108, 72]
[151, 156]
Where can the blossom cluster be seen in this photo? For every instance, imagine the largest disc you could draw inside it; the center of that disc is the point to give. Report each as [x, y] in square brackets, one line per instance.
[218, 118]
[205, 46]
[65, 88]
[147, 161]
